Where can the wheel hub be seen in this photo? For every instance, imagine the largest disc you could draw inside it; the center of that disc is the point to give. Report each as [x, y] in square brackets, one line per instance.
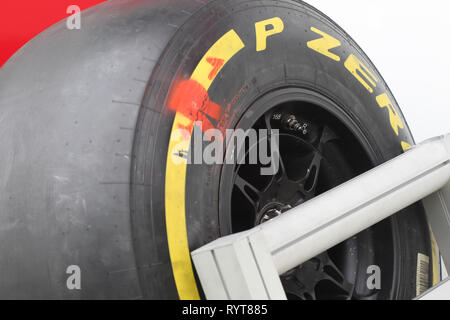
[271, 211]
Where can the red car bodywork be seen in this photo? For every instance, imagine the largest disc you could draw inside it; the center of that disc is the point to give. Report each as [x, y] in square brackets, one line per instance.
[21, 20]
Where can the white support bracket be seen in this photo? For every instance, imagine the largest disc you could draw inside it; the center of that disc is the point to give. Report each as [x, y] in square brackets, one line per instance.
[247, 265]
[239, 267]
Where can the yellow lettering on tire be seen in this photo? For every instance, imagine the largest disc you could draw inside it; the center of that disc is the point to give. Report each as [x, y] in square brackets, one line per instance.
[262, 33]
[361, 72]
[394, 117]
[324, 45]
[406, 146]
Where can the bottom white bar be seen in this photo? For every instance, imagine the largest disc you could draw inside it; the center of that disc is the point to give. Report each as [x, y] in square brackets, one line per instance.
[439, 292]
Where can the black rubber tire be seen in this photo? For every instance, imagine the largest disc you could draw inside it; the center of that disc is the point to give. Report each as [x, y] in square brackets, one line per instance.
[85, 124]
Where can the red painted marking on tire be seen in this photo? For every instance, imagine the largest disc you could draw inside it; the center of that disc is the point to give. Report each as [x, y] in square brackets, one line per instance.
[217, 64]
[192, 100]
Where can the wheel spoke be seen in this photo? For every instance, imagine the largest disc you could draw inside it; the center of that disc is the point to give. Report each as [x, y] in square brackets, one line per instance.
[277, 179]
[304, 281]
[308, 184]
[333, 273]
[281, 173]
[252, 194]
[326, 136]
[267, 121]
[294, 288]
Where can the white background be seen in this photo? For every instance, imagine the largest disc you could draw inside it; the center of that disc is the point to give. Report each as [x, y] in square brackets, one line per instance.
[409, 43]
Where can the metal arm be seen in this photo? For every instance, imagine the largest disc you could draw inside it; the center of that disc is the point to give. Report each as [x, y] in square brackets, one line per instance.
[247, 265]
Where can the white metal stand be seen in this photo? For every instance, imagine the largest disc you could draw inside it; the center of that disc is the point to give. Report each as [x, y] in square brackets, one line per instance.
[247, 265]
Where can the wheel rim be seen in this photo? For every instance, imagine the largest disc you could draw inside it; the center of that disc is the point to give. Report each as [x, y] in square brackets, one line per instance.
[307, 169]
